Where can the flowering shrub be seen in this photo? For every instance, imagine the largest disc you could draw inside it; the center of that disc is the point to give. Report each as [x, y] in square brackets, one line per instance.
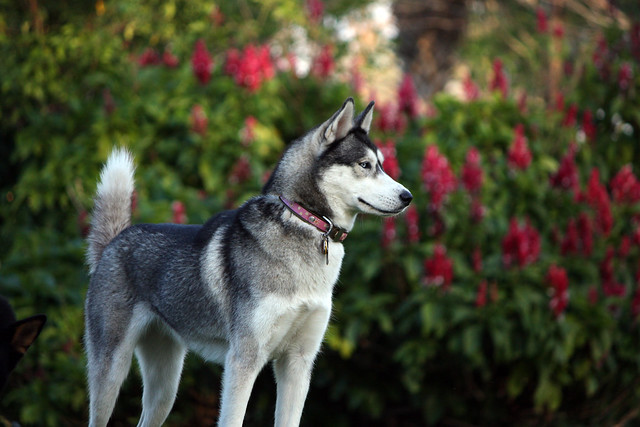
[529, 230]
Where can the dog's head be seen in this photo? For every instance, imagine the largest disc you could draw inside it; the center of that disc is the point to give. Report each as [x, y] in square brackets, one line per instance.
[336, 171]
[350, 165]
[15, 338]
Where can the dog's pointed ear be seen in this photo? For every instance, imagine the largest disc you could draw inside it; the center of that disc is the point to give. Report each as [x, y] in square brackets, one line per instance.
[339, 125]
[26, 331]
[364, 119]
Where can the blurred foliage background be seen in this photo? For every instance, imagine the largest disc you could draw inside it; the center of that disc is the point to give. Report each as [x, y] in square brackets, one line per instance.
[508, 294]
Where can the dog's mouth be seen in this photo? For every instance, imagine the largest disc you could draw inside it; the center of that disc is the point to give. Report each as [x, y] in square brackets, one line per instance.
[382, 211]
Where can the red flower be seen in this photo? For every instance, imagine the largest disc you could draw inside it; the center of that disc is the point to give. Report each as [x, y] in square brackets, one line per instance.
[585, 231]
[521, 244]
[198, 120]
[481, 296]
[477, 210]
[390, 164]
[476, 260]
[634, 36]
[390, 119]
[179, 212]
[241, 171]
[519, 155]
[251, 67]
[413, 224]
[625, 76]
[597, 197]
[386, 118]
[169, 59]
[201, 62]
[247, 133]
[472, 172]
[601, 58]
[559, 101]
[323, 65]
[566, 177]
[609, 285]
[249, 74]
[149, 57]
[522, 102]
[471, 91]
[408, 97]
[588, 126]
[558, 30]
[266, 65]
[635, 304]
[559, 282]
[438, 227]
[636, 235]
[571, 242]
[439, 268]
[625, 246]
[567, 66]
[499, 80]
[437, 176]
[570, 117]
[388, 231]
[542, 24]
[315, 10]
[625, 187]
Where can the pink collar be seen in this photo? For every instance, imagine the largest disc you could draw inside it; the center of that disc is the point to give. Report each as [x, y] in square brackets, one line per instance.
[322, 223]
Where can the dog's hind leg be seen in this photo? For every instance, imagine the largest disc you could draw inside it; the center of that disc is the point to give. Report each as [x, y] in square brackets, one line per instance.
[109, 361]
[160, 357]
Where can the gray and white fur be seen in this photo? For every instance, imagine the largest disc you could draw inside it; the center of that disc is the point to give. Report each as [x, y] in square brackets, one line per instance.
[248, 287]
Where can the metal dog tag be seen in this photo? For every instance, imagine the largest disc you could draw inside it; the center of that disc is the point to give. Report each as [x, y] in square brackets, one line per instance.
[325, 247]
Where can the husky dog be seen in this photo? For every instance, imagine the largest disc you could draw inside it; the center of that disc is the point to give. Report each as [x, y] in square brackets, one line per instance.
[251, 285]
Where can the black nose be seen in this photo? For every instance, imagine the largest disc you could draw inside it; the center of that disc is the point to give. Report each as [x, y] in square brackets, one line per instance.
[406, 197]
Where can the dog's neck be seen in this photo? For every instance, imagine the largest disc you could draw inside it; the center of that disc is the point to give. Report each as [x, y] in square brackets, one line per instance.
[322, 223]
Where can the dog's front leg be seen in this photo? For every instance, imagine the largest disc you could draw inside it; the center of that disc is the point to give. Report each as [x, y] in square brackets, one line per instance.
[240, 371]
[293, 369]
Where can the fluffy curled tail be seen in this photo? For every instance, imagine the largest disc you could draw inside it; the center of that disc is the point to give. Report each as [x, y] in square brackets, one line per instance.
[112, 204]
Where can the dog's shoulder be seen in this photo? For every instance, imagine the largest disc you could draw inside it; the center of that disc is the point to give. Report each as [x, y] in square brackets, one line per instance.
[206, 231]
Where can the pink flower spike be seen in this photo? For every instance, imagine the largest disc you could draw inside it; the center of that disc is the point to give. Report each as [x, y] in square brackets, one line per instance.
[201, 62]
[179, 212]
[519, 156]
[471, 90]
[413, 224]
[625, 76]
[472, 174]
[324, 64]
[439, 268]
[481, 296]
[388, 231]
[559, 282]
[542, 24]
[499, 80]
[437, 176]
[315, 10]
[408, 97]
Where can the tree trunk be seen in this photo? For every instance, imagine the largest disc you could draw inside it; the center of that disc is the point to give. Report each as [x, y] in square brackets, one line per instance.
[429, 32]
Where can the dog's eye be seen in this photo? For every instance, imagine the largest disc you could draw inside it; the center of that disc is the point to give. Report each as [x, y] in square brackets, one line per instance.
[365, 165]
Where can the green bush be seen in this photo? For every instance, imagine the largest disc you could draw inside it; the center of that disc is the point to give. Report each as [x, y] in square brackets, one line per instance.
[507, 294]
